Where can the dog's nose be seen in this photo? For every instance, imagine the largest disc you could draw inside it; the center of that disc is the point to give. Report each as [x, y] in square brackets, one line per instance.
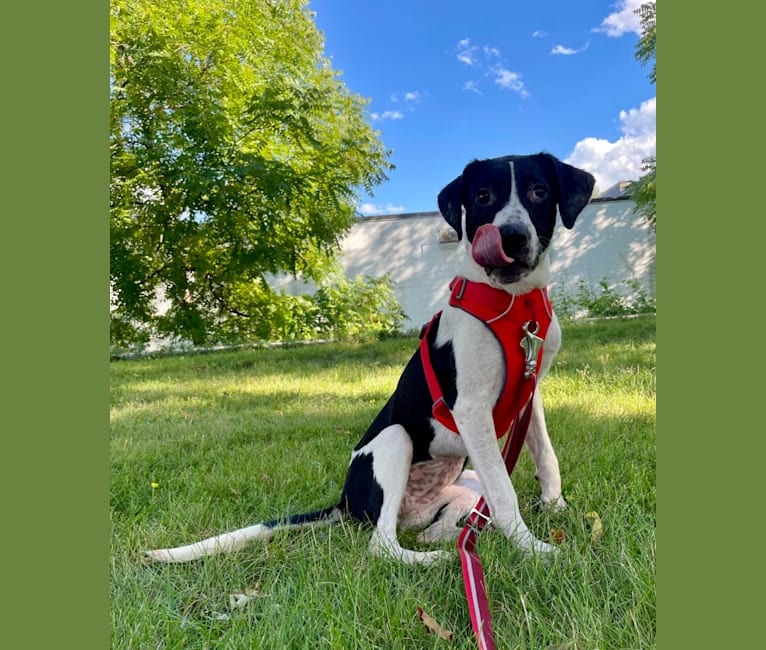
[514, 235]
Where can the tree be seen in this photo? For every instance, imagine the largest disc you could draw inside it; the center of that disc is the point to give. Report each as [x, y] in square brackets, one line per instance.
[644, 190]
[235, 153]
[646, 48]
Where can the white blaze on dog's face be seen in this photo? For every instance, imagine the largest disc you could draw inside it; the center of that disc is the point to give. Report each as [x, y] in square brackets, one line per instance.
[507, 209]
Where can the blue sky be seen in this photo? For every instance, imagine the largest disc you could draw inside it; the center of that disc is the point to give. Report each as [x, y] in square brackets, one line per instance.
[451, 81]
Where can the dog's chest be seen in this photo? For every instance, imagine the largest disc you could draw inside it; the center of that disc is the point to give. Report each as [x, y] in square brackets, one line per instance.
[496, 351]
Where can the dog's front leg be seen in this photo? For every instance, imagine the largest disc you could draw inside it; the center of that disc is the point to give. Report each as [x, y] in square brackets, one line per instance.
[546, 463]
[478, 433]
[538, 442]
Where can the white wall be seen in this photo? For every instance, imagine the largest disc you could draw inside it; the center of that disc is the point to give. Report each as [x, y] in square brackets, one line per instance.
[608, 241]
[407, 248]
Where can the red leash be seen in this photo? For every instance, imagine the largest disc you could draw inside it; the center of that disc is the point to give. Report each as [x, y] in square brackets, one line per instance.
[473, 573]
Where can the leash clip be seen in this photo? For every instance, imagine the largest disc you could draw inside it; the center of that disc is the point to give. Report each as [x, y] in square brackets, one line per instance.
[531, 345]
[487, 520]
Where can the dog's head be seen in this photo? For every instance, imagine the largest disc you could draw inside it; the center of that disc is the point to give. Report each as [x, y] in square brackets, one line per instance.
[510, 207]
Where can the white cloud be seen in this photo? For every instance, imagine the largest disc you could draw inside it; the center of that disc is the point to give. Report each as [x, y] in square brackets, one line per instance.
[473, 54]
[567, 51]
[510, 80]
[472, 86]
[611, 162]
[372, 210]
[638, 121]
[623, 20]
[412, 96]
[467, 54]
[386, 115]
[482, 58]
[539, 34]
[560, 49]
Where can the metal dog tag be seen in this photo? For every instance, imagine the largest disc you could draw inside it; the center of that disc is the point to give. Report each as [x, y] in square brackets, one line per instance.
[531, 345]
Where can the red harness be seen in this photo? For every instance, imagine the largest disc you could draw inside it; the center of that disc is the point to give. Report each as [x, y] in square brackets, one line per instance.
[507, 317]
[520, 324]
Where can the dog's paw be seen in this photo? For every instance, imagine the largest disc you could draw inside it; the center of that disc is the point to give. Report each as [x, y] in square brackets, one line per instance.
[430, 557]
[423, 558]
[383, 546]
[531, 546]
[543, 548]
[555, 504]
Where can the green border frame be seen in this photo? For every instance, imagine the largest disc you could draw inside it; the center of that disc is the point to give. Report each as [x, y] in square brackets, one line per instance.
[55, 269]
[55, 280]
[711, 234]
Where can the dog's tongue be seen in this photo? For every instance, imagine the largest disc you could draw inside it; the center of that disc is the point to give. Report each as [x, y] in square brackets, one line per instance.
[487, 248]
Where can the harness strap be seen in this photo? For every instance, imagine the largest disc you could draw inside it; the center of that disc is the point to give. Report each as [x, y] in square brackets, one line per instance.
[473, 573]
[439, 409]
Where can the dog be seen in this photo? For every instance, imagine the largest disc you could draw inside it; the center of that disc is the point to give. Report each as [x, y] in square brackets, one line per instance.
[409, 470]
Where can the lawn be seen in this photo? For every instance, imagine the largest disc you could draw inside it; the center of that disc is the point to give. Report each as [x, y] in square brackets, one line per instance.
[203, 443]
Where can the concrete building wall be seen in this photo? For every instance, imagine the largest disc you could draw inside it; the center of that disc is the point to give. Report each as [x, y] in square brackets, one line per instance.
[609, 241]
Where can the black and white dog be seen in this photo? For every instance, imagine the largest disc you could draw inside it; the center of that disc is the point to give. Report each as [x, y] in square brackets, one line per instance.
[408, 470]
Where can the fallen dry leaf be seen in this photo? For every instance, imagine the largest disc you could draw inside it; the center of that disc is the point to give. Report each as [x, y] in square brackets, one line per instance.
[597, 529]
[238, 599]
[432, 626]
[557, 536]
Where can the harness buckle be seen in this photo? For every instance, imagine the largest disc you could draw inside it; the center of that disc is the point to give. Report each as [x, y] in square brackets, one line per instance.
[461, 288]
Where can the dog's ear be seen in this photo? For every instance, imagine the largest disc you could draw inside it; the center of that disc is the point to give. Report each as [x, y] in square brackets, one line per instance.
[575, 190]
[450, 205]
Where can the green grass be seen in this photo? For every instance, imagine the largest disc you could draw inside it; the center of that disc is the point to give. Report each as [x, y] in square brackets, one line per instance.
[231, 438]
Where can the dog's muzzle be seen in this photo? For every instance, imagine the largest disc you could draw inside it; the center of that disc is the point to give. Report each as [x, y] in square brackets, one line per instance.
[487, 247]
[503, 252]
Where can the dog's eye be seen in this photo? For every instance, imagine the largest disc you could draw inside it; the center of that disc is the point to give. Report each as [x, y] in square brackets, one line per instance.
[537, 192]
[483, 197]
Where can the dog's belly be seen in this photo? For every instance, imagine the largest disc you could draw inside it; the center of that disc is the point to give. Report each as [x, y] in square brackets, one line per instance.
[427, 481]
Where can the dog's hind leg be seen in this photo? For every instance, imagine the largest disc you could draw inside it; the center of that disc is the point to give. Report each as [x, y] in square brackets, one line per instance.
[546, 463]
[447, 523]
[375, 486]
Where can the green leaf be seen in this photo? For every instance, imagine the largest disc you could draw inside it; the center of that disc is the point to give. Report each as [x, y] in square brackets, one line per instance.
[235, 152]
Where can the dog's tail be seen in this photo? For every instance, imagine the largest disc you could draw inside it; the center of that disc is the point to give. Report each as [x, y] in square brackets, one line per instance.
[236, 540]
